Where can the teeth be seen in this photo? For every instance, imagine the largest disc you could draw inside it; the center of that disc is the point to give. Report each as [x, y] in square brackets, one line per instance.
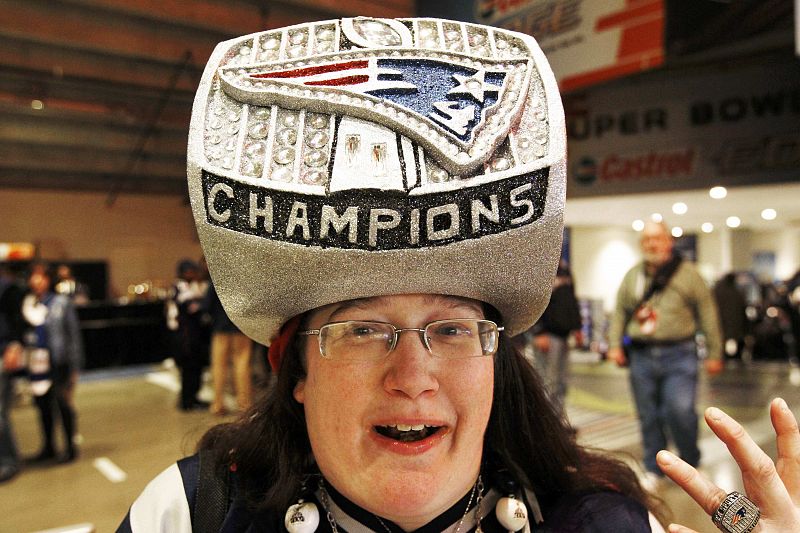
[406, 427]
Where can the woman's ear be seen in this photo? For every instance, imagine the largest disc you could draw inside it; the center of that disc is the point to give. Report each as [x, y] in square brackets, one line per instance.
[299, 391]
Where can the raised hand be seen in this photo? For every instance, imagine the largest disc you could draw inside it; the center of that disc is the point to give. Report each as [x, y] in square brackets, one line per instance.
[773, 487]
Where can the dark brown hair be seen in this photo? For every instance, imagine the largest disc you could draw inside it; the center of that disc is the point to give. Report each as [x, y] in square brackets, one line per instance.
[525, 435]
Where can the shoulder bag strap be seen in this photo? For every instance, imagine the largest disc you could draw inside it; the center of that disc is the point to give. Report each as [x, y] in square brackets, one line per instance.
[211, 503]
[657, 284]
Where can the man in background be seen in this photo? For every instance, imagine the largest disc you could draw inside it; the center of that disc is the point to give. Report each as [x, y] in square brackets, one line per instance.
[67, 284]
[551, 334]
[732, 308]
[186, 317]
[662, 304]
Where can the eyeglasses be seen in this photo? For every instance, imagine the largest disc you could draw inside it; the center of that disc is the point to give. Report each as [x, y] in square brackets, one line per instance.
[365, 340]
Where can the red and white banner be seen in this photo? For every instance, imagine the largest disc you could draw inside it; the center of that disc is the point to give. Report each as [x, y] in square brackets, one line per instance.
[586, 41]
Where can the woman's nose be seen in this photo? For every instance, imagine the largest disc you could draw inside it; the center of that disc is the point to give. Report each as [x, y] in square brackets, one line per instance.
[410, 367]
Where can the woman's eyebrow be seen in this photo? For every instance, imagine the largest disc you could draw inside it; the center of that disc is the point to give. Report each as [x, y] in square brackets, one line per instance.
[445, 301]
[454, 302]
[357, 303]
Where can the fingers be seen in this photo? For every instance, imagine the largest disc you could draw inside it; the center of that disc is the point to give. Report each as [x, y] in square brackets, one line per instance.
[706, 494]
[760, 477]
[788, 441]
[618, 356]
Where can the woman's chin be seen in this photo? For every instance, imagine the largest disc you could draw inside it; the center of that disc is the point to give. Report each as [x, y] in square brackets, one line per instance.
[410, 499]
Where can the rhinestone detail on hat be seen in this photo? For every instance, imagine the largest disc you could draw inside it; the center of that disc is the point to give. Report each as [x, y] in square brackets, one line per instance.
[279, 146]
[445, 37]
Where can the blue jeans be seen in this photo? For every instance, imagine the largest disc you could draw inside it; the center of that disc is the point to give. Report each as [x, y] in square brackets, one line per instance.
[553, 367]
[664, 383]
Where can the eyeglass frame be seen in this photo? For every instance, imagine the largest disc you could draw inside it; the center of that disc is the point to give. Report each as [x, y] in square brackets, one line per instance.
[397, 331]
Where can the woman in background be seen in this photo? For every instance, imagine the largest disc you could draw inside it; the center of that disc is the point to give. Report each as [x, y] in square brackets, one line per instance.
[55, 355]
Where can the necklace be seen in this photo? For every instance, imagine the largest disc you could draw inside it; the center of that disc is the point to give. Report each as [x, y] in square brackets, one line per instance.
[326, 505]
[476, 488]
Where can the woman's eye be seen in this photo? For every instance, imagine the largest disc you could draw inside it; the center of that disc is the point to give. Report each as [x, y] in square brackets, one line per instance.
[451, 330]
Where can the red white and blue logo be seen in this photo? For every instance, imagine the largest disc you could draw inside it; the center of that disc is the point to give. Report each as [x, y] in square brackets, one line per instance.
[458, 107]
[453, 96]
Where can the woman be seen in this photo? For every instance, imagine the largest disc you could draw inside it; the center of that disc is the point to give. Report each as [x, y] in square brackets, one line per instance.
[54, 349]
[380, 201]
[413, 435]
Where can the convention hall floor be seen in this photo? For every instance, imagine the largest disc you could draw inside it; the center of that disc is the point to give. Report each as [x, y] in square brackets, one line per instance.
[130, 430]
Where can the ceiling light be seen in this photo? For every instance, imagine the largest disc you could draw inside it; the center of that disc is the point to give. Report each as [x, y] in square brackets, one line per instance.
[707, 227]
[638, 225]
[733, 222]
[769, 214]
[679, 208]
[37, 105]
[677, 231]
[656, 217]
[718, 193]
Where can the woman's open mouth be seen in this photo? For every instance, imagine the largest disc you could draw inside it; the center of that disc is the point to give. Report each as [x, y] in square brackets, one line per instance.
[407, 433]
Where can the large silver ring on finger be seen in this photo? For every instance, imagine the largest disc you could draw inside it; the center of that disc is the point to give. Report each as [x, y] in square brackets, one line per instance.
[736, 514]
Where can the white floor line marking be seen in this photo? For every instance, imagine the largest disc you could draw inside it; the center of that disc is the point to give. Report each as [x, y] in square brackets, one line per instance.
[165, 379]
[112, 472]
[85, 527]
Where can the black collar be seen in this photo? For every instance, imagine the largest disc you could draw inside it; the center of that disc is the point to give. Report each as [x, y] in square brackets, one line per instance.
[437, 525]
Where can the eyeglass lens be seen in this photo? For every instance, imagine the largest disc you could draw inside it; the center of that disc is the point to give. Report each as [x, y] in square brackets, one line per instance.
[448, 339]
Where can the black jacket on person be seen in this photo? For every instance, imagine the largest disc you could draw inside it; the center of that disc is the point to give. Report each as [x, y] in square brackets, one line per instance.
[12, 325]
[562, 314]
[731, 305]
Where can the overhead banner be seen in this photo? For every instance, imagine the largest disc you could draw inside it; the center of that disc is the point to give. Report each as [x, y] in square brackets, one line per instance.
[586, 41]
[707, 127]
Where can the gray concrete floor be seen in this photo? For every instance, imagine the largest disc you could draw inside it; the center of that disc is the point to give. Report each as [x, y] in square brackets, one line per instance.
[130, 430]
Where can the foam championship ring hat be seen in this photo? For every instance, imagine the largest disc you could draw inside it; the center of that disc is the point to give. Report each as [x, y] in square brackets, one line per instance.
[362, 157]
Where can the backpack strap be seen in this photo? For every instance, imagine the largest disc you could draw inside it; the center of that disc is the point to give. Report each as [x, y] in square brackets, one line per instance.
[211, 502]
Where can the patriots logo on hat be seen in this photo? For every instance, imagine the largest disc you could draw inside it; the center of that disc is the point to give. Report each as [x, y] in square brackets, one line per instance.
[459, 108]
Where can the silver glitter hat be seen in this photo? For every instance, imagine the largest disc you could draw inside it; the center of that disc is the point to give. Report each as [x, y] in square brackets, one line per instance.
[361, 157]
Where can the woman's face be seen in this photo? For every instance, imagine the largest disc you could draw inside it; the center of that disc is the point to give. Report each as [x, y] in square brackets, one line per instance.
[349, 405]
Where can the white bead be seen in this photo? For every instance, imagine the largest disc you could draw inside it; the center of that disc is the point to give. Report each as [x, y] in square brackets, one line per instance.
[302, 518]
[511, 513]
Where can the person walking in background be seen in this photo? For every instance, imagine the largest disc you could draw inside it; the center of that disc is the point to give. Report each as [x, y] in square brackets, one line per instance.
[11, 329]
[191, 347]
[67, 284]
[54, 350]
[551, 334]
[228, 345]
[732, 308]
[662, 304]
